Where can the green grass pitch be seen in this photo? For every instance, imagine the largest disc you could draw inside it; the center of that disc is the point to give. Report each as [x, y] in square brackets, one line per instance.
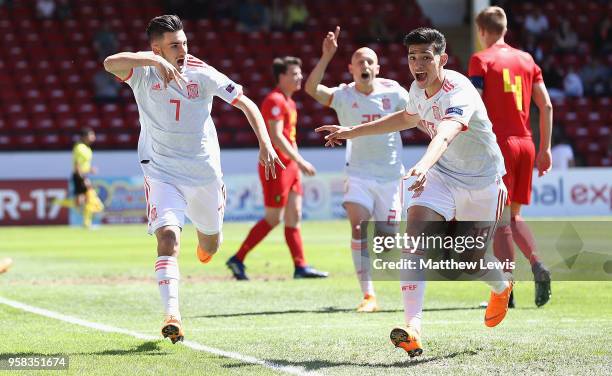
[106, 276]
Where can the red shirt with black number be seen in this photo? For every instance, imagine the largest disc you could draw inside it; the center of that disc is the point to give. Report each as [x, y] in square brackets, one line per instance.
[506, 77]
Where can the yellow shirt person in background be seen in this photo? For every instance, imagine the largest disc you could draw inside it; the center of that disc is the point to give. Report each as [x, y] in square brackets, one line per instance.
[85, 197]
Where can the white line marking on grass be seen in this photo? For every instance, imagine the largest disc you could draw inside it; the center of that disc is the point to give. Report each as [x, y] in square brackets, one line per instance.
[292, 370]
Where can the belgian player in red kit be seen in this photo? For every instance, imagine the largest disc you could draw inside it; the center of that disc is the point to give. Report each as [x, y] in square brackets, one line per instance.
[507, 79]
[283, 196]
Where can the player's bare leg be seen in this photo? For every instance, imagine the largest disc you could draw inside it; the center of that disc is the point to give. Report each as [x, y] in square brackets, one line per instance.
[167, 273]
[503, 246]
[356, 214]
[523, 237]
[412, 282]
[208, 245]
[293, 237]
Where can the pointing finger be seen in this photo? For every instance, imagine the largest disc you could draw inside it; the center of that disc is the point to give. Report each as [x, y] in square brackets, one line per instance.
[324, 128]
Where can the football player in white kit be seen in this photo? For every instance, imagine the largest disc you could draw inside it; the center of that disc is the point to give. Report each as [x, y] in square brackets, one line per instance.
[373, 163]
[459, 176]
[178, 148]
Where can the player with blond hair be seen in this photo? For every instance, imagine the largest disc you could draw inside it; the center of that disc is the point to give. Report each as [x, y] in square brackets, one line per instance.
[507, 79]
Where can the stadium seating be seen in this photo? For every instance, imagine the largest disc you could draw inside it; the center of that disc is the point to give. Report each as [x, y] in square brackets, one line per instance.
[46, 71]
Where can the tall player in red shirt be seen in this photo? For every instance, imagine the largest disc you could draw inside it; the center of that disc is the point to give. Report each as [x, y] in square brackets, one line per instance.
[507, 79]
[282, 196]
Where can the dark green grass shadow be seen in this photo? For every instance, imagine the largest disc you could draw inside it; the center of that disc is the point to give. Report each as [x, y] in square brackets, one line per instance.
[322, 310]
[151, 348]
[315, 365]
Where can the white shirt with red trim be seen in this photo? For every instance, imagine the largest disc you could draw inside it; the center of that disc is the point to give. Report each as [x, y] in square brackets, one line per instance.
[473, 159]
[178, 141]
[371, 157]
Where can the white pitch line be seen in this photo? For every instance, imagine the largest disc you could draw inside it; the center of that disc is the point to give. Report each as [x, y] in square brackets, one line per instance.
[292, 370]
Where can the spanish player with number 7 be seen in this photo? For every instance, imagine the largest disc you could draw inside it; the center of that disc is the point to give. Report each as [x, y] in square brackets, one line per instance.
[178, 149]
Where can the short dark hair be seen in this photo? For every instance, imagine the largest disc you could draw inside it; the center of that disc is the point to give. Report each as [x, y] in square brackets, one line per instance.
[280, 65]
[86, 131]
[426, 35]
[492, 20]
[159, 25]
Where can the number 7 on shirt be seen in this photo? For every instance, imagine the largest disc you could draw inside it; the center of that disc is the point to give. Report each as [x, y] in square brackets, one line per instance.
[177, 114]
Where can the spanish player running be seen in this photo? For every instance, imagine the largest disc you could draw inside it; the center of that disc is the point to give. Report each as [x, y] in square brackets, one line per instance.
[507, 79]
[178, 149]
[459, 176]
[373, 163]
[283, 196]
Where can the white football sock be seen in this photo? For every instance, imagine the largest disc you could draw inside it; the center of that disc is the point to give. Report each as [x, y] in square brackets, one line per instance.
[167, 272]
[412, 283]
[495, 278]
[361, 261]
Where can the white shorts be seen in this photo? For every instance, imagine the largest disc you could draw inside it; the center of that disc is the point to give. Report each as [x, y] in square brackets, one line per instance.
[168, 204]
[461, 204]
[382, 200]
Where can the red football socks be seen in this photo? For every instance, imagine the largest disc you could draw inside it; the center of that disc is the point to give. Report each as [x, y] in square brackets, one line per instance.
[293, 236]
[257, 233]
[524, 239]
[503, 245]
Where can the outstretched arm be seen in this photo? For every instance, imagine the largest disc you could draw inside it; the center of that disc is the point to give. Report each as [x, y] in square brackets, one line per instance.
[313, 85]
[267, 155]
[542, 100]
[447, 130]
[391, 123]
[122, 63]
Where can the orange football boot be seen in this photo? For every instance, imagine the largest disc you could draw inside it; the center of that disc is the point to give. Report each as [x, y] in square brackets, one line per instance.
[368, 304]
[498, 306]
[408, 339]
[172, 329]
[203, 256]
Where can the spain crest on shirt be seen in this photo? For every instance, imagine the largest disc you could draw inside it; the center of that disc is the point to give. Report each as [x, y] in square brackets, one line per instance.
[436, 112]
[192, 91]
[386, 103]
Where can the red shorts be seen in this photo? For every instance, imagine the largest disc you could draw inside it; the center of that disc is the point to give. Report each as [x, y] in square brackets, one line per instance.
[519, 156]
[276, 191]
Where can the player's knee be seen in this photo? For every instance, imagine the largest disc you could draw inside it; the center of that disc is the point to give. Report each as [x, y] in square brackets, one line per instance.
[293, 220]
[356, 231]
[167, 242]
[273, 221]
[297, 214]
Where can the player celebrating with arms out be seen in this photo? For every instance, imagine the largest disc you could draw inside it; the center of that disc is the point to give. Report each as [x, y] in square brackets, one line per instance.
[458, 177]
[178, 148]
[283, 196]
[506, 78]
[373, 163]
